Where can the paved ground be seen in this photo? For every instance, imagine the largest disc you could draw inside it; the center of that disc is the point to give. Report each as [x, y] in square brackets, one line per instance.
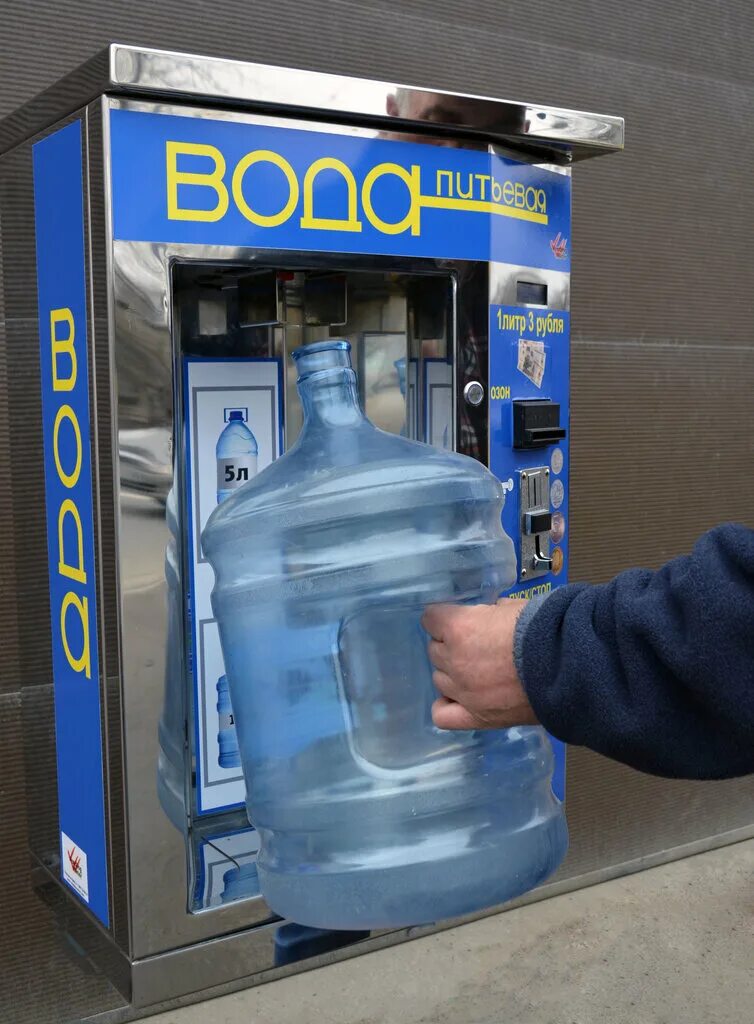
[673, 945]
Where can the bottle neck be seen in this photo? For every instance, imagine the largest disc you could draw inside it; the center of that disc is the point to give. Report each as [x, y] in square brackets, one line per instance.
[330, 399]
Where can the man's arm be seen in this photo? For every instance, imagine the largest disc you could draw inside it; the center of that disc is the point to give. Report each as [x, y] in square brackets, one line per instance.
[654, 669]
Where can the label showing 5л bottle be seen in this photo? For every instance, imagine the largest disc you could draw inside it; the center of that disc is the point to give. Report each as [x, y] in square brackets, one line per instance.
[233, 472]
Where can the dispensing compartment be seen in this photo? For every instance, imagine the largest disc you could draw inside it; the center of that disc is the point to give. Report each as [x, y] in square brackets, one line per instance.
[234, 327]
[400, 327]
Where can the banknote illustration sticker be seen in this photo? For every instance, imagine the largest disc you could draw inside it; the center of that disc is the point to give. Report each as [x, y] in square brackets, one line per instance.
[531, 360]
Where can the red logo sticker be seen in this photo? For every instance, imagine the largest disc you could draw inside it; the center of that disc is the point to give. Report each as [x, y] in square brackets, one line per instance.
[74, 860]
[559, 246]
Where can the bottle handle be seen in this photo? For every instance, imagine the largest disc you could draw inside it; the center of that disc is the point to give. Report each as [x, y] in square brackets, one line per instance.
[385, 681]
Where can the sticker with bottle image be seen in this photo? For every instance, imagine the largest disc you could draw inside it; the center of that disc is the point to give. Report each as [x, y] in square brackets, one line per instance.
[237, 453]
[233, 432]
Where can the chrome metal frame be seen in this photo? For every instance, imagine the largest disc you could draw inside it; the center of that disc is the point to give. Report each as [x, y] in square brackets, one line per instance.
[133, 71]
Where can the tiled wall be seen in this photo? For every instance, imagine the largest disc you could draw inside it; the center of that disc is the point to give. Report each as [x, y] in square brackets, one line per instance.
[663, 354]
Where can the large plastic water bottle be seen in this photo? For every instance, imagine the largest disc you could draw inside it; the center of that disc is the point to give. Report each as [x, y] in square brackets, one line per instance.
[372, 817]
[237, 454]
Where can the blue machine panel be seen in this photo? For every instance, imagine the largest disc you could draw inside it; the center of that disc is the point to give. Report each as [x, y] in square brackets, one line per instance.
[59, 214]
[200, 181]
[511, 329]
[530, 359]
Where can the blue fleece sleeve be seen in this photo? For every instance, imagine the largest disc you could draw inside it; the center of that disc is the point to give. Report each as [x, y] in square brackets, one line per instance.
[654, 669]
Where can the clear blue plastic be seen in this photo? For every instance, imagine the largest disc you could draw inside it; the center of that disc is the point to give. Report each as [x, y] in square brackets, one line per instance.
[227, 740]
[237, 455]
[370, 817]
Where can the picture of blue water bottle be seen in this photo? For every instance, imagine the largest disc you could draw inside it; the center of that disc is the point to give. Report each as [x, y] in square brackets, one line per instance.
[237, 453]
[227, 741]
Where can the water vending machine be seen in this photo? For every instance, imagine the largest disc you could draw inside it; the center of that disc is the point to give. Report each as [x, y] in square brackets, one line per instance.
[177, 225]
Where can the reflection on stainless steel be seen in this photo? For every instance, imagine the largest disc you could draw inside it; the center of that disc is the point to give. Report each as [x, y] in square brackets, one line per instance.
[161, 73]
[144, 364]
[157, 71]
[142, 463]
[380, 357]
[505, 277]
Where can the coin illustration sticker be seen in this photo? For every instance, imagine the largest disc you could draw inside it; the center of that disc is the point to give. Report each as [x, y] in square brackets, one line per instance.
[557, 494]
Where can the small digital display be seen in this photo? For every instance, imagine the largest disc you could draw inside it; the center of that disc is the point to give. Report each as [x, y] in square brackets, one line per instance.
[531, 293]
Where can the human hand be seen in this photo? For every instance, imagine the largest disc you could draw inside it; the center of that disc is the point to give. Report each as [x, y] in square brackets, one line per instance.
[471, 649]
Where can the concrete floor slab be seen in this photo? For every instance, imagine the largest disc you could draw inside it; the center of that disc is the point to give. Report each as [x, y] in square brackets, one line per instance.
[672, 945]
